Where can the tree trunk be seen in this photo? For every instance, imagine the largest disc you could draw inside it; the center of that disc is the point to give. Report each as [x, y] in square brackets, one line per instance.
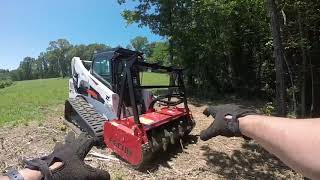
[170, 32]
[304, 67]
[172, 78]
[312, 87]
[60, 68]
[279, 59]
[170, 51]
[316, 93]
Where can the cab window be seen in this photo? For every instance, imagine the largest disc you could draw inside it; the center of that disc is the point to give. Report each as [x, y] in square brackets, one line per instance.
[102, 67]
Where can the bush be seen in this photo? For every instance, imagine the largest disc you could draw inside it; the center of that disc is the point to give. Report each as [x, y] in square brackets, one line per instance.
[5, 83]
[268, 109]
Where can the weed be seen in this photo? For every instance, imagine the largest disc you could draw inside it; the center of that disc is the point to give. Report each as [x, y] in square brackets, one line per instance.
[268, 109]
[118, 175]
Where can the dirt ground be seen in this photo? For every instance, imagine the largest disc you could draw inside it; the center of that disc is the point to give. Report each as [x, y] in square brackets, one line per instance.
[219, 158]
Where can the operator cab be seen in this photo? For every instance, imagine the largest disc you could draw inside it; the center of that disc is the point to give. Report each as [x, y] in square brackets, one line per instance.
[120, 70]
[108, 68]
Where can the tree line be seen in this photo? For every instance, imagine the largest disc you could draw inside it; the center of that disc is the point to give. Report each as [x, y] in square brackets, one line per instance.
[56, 60]
[251, 47]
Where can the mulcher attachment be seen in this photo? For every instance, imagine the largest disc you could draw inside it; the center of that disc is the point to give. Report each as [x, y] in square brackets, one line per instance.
[136, 143]
[138, 137]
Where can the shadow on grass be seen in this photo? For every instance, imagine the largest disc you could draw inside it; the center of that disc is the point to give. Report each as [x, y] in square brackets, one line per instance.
[251, 163]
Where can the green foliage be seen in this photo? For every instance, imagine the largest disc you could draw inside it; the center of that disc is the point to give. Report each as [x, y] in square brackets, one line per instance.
[5, 83]
[222, 43]
[31, 100]
[26, 67]
[4, 74]
[155, 52]
[139, 43]
[268, 109]
[160, 53]
[5, 79]
[57, 51]
[55, 62]
[227, 45]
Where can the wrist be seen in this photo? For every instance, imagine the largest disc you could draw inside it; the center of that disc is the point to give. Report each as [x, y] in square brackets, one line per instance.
[248, 124]
[29, 174]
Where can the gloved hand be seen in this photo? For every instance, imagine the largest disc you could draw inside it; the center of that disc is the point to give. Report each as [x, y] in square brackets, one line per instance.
[226, 121]
[72, 155]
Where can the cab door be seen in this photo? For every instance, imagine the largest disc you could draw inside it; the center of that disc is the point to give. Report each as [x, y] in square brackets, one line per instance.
[102, 70]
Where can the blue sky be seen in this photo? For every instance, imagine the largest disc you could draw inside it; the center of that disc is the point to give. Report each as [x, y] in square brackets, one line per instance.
[26, 27]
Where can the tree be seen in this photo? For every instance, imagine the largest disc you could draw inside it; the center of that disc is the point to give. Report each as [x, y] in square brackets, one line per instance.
[4, 74]
[160, 53]
[15, 75]
[26, 68]
[43, 63]
[92, 48]
[58, 50]
[141, 44]
[56, 61]
[279, 58]
[299, 30]
[221, 42]
[158, 15]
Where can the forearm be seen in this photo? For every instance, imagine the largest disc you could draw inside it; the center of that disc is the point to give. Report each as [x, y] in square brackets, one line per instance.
[29, 174]
[293, 141]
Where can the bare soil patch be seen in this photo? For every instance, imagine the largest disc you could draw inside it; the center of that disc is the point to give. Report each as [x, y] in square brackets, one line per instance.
[219, 158]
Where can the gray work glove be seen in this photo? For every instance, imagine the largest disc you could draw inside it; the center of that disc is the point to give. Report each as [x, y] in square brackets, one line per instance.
[223, 126]
[72, 155]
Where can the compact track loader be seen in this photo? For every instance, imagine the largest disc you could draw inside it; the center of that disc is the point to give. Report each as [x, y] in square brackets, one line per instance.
[107, 100]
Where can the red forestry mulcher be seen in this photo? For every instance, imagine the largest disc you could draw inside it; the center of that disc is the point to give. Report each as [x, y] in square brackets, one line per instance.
[107, 100]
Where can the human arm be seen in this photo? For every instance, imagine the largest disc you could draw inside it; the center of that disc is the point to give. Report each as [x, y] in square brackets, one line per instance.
[70, 158]
[295, 142]
[29, 174]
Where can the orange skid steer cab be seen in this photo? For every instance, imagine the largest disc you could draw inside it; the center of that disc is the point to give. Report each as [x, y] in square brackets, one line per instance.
[108, 101]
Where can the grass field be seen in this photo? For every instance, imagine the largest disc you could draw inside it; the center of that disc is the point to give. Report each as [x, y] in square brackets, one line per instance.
[30, 100]
[151, 78]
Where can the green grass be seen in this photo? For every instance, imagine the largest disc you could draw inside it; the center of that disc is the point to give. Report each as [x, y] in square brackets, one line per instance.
[30, 100]
[151, 78]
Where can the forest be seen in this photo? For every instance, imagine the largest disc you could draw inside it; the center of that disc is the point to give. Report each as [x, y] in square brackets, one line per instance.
[251, 48]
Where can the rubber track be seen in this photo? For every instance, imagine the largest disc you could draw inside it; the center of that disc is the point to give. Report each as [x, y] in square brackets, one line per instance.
[90, 120]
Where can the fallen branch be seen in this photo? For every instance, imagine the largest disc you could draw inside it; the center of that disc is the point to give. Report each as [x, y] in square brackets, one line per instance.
[102, 156]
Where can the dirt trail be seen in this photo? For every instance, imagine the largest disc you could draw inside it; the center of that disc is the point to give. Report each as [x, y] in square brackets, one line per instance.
[219, 158]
